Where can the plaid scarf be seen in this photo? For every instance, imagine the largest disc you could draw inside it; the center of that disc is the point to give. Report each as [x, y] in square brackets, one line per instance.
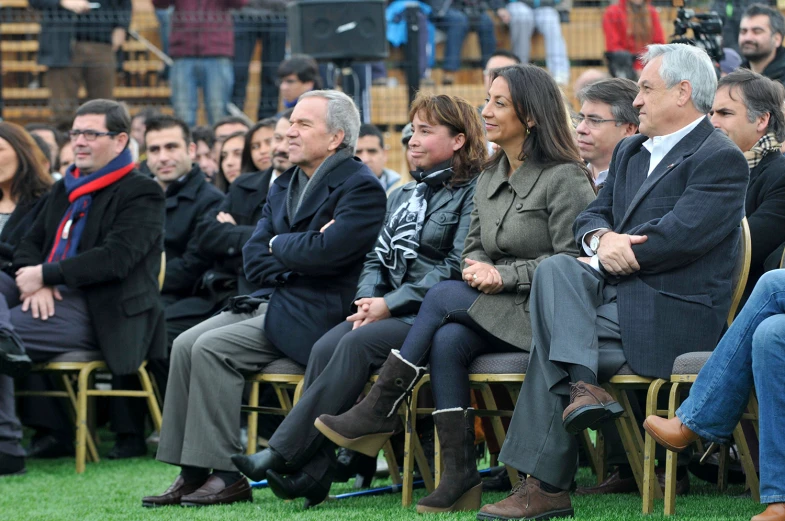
[764, 146]
[79, 189]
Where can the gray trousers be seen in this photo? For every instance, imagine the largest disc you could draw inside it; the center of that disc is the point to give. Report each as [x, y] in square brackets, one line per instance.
[69, 329]
[201, 420]
[574, 321]
[338, 369]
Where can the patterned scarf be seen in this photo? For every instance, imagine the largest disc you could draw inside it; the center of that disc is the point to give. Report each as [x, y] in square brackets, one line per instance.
[80, 189]
[399, 239]
[763, 147]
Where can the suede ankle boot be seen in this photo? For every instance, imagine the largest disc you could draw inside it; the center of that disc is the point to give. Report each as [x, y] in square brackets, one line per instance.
[461, 486]
[368, 425]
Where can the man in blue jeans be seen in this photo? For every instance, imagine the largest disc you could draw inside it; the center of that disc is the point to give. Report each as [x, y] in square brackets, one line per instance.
[456, 19]
[201, 43]
[752, 352]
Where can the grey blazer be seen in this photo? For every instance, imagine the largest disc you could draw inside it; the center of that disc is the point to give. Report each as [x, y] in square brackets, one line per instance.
[690, 208]
[515, 224]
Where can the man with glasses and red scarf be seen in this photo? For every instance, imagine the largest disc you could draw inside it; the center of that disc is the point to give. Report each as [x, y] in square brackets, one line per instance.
[87, 277]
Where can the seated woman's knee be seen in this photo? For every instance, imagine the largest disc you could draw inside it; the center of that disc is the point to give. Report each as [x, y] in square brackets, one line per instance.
[768, 342]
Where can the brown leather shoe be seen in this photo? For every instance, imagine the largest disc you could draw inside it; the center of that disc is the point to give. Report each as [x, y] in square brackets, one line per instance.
[671, 434]
[773, 512]
[682, 485]
[528, 501]
[613, 484]
[590, 406]
[172, 496]
[215, 492]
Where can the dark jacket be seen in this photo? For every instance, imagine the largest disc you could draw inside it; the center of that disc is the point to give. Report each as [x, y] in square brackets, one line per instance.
[314, 274]
[765, 209]
[223, 242]
[116, 266]
[187, 201]
[438, 258]
[201, 28]
[21, 220]
[690, 208]
[61, 27]
[776, 69]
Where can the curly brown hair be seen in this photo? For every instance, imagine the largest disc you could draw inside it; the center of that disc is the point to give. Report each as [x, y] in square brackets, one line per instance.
[31, 180]
[460, 117]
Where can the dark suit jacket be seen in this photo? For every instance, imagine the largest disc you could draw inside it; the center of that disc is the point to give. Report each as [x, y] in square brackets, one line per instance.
[116, 266]
[314, 274]
[690, 208]
[223, 242]
[765, 208]
[186, 204]
[19, 222]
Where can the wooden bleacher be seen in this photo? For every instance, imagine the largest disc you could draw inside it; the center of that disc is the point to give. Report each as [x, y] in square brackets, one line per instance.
[24, 91]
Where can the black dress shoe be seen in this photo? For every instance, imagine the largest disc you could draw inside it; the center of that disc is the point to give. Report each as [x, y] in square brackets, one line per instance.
[256, 465]
[50, 446]
[11, 465]
[129, 446]
[13, 360]
[298, 485]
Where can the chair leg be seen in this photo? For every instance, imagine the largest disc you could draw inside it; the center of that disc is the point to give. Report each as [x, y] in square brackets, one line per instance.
[746, 462]
[392, 464]
[722, 473]
[649, 478]
[298, 391]
[437, 458]
[92, 451]
[81, 417]
[253, 419]
[671, 457]
[152, 401]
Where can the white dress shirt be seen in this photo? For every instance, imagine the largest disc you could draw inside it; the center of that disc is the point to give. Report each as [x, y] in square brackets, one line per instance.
[658, 147]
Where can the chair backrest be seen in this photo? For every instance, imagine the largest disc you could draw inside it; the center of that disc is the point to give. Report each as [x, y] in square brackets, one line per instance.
[162, 271]
[741, 270]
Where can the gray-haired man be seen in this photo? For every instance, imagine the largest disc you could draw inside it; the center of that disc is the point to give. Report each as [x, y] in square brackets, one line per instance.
[663, 237]
[320, 220]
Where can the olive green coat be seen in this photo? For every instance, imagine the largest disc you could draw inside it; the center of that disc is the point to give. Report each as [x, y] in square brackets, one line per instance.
[515, 224]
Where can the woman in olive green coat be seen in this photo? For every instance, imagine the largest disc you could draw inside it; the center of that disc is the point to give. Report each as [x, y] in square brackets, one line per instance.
[525, 203]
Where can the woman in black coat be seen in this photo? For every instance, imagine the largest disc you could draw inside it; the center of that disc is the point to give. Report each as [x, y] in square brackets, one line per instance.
[420, 245]
[24, 181]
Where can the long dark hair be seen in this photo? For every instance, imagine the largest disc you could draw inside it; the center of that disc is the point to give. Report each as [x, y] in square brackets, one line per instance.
[220, 180]
[535, 96]
[247, 161]
[31, 180]
[460, 117]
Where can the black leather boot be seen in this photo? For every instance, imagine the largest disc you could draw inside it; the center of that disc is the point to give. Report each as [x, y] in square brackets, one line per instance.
[461, 486]
[368, 425]
[257, 465]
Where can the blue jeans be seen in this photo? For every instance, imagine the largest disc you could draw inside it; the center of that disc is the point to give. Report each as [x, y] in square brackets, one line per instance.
[752, 352]
[456, 25]
[215, 77]
[445, 333]
[164, 17]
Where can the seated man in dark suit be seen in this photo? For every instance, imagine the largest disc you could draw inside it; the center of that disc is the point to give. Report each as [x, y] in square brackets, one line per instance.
[663, 236]
[748, 109]
[170, 155]
[320, 220]
[88, 267]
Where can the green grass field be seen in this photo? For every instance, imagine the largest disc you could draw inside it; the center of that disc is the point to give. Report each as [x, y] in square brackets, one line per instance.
[110, 490]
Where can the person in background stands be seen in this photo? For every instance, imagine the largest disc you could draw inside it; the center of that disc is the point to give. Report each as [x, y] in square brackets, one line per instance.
[204, 139]
[230, 161]
[760, 41]
[372, 152]
[296, 76]
[258, 147]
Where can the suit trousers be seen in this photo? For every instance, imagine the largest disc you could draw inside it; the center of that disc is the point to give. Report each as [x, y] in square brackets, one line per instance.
[574, 321]
[339, 367]
[69, 329]
[92, 62]
[201, 421]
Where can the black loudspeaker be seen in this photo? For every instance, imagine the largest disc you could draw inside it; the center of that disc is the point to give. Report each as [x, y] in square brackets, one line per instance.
[338, 30]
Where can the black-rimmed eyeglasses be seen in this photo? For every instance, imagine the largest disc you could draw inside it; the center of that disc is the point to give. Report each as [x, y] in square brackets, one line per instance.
[89, 135]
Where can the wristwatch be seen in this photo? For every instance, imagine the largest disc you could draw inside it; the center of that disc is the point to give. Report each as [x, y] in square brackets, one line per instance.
[594, 244]
[270, 244]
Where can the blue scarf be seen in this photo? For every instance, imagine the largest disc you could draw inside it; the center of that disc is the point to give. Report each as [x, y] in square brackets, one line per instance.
[80, 189]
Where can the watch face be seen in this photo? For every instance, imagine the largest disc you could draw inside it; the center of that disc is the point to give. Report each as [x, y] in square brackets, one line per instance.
[594, 244]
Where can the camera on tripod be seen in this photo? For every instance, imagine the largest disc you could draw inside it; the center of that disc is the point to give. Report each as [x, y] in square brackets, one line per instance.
[706, 30]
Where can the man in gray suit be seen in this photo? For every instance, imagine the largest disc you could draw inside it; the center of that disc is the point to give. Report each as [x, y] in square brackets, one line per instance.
[662, 238]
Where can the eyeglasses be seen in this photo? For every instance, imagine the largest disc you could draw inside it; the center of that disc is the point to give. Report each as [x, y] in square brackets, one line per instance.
[591, 122]
[89, 135]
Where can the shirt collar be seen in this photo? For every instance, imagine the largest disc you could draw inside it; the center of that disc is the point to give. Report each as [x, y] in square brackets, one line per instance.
[665, 143]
